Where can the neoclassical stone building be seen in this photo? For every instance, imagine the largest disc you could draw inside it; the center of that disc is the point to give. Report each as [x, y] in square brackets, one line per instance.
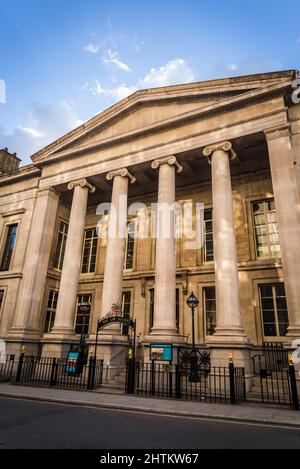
[231, 144]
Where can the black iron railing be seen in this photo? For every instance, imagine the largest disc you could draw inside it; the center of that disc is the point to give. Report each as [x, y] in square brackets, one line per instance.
[6, 367]
[276, 375]
[271, 357]
[54, 372]
[186, 382]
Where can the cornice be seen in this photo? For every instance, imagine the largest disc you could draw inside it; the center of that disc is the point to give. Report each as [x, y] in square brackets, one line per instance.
[11, 213]
[238, 102]
[278, 132]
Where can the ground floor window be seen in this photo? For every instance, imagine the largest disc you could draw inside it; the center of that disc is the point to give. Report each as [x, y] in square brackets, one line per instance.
[274, 310]
[51, 311]
[210, 310]
[152, 299]
[126, 309]
[82, 325]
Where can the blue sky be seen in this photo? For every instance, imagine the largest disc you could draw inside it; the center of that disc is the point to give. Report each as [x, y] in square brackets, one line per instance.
[65, 61]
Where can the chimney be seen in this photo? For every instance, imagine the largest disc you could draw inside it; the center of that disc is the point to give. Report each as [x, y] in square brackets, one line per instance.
[9, 162]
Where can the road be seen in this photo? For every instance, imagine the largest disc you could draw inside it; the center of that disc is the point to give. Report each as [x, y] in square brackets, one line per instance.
[34, 425]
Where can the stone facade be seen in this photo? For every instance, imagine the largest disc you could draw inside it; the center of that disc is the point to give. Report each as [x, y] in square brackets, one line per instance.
[225, 143]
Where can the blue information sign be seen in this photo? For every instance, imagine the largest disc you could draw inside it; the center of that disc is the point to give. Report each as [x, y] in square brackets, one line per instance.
[72, 363]
[162, 353]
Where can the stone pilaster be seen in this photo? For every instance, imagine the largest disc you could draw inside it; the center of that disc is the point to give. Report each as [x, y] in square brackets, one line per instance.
[164, 327]
[284, 176]
[67, 298]
[27, 321]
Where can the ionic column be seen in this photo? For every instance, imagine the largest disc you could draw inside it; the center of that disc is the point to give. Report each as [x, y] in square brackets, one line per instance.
[165, 267]
[284, 176]
[229, 320]
[116, 245]
[67, 298]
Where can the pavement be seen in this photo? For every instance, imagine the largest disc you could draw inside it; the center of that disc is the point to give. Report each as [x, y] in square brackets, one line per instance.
[246, 413]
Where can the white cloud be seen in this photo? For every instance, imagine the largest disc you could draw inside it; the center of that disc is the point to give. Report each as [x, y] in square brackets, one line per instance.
[92, 48]
[114, 94]
[44, 124]
[31, 132]
[138, 44]
[249, 66]
[232, 67]
[121, 92]
[96, 90]
[114, 59]
[174, 72]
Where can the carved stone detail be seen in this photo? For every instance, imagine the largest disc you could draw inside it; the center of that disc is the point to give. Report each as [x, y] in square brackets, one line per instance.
[170, 160]
[123, 173]
[223, 146]
[82, 183]
[278, 132]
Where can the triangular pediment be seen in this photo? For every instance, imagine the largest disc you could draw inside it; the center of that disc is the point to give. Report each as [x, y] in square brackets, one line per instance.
[158, 107]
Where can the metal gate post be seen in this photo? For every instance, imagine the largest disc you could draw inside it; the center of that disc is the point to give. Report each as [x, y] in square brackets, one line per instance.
[53, 379]
[20, 367]
[91, 374]
[293, 382]
[232, 381]
[178, 382]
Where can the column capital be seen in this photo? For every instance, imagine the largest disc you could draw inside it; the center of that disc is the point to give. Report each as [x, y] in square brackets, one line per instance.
[124, 173]
[278, 132]
[82, 183]
[170, 160]
[222, 146]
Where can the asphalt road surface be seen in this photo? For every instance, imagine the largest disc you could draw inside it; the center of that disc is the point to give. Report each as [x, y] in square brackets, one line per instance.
[34, 425]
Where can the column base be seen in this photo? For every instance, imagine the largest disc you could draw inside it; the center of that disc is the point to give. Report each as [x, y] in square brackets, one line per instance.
[24, 334]
[13, 347]
[240, 353]
[58, 346]
[293, 333]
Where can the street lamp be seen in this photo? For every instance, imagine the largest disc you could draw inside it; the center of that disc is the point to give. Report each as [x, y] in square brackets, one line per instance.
[193, 303]
[84, 310]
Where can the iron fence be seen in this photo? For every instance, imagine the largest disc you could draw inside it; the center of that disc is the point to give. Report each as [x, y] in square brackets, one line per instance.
[271, 357]
[54, 372]
[186, 382]
[276, 375]
[6, 367]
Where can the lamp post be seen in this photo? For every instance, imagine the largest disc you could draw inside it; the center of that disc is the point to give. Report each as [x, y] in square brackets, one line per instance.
[193, 303]
[84, 310]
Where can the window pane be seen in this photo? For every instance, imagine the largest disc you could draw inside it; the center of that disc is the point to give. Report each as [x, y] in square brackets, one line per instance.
[9, 247]
[89, 254]
[210, 310]
[61, 246]
[208, 236]
[274, 310]
[266, 229]
[82, 325]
